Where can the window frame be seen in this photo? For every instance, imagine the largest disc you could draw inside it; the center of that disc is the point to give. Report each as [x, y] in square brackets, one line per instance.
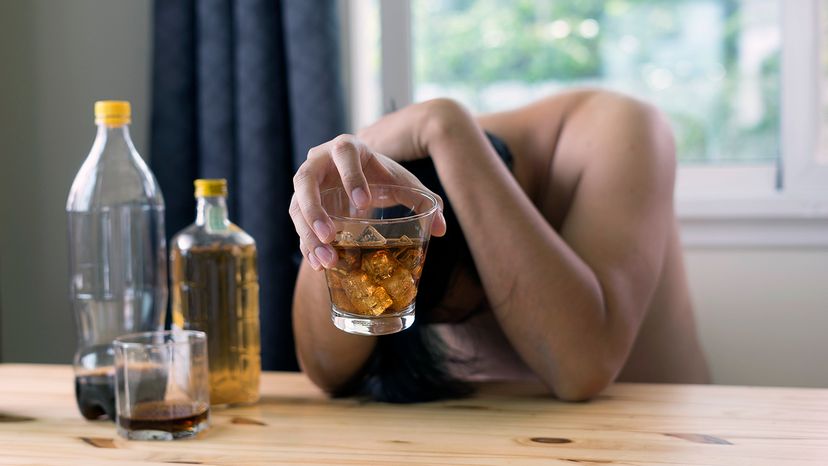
[728, 205]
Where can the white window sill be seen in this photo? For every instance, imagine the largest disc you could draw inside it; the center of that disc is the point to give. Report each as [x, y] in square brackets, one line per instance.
[768, 221]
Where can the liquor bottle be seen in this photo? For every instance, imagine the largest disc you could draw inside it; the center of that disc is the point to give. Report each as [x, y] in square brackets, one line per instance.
[215, 289]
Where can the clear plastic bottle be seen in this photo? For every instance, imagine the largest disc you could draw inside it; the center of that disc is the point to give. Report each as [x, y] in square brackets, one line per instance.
[215, 289]
[117, 255]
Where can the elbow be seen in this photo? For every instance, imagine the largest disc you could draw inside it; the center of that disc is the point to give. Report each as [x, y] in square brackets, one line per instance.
[314, 374]
[584, 390]
[325, 384]
[330, 384]
[582, 382]
[443, 117]
[331, 375]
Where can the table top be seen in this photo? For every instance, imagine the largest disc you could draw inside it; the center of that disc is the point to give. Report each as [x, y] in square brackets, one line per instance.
[630, 424]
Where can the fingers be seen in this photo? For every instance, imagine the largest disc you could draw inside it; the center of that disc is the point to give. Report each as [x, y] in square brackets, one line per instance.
[311, 258]
[438, 228]
[399, 175]
[307, 199]
[343, 160]
[347, 154]
[317, 253]
[312, 223]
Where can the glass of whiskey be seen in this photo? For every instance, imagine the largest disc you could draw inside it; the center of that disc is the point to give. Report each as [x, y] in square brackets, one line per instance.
[381, 250]
[162, 385]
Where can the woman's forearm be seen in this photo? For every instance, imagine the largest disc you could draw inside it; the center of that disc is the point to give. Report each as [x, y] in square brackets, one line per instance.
[547, 300]
[329, 356]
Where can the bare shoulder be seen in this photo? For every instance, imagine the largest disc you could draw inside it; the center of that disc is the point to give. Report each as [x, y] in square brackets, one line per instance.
[586, 127]
[603, 126]
[612, 153]
[622, 155]
[565, 141]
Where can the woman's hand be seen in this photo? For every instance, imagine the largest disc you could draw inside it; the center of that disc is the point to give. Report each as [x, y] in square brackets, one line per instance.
[348, 162]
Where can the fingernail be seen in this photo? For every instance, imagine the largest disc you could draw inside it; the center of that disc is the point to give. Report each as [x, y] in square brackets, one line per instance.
[360, 197]
[322, 230]
[324, 255]
[313, 261]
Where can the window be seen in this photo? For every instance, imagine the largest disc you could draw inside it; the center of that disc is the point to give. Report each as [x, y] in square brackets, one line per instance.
[711, 65]
[823, 57]
[737, 78]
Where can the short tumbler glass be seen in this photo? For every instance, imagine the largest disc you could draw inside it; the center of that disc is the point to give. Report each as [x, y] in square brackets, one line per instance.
[381, 252]
[162, 389]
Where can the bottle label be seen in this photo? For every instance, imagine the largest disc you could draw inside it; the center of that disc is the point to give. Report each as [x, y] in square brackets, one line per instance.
[215, 218]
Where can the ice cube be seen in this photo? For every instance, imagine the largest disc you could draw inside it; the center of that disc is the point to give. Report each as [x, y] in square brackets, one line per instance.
[341, 300]
[345, 238]
[404, 241]
[400, 286]
[335, 276]
[366, 297]
[370, 237]
[411, 258]
[379, 265]
[348, 258]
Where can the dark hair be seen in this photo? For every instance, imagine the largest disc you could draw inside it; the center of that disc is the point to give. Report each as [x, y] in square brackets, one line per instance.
[412, 366]
[407, 367]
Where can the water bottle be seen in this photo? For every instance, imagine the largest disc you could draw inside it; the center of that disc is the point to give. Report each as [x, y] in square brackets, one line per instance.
[117, 255]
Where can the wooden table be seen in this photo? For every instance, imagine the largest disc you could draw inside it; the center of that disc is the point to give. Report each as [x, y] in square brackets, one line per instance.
[505, 424]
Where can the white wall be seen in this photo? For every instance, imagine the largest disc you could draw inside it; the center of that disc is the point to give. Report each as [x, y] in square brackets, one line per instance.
[57, 58]
[763, 313]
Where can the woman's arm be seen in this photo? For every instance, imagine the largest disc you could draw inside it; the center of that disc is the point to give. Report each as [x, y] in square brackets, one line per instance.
[570, 301]
[330, 357]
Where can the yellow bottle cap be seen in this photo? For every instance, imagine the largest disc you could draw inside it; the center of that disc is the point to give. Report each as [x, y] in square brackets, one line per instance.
[113, 112]
[211, 187]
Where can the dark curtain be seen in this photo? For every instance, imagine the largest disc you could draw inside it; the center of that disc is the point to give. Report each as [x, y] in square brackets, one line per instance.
[241, 90]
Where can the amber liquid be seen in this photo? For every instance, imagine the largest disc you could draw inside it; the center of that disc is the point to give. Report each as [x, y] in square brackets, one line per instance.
[216, 290]
[166, 416]
[374, 280]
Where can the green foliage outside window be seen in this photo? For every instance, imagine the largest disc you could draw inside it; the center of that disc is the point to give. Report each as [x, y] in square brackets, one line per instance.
[686, 56]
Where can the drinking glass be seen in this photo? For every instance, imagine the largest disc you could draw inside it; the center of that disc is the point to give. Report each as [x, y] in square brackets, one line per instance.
[381, 252]
[162, 389]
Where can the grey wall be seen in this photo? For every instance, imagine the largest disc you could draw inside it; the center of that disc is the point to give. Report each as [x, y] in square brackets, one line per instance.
[763, 314]
[56, 59]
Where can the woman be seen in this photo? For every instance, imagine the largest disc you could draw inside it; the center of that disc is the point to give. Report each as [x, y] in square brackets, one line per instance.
[575, 274]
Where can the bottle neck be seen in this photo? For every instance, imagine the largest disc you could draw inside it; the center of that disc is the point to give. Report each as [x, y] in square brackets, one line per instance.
[212, 213]
[114, 139]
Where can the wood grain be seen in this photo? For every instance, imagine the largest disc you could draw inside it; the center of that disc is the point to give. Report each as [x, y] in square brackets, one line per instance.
[631, 424]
